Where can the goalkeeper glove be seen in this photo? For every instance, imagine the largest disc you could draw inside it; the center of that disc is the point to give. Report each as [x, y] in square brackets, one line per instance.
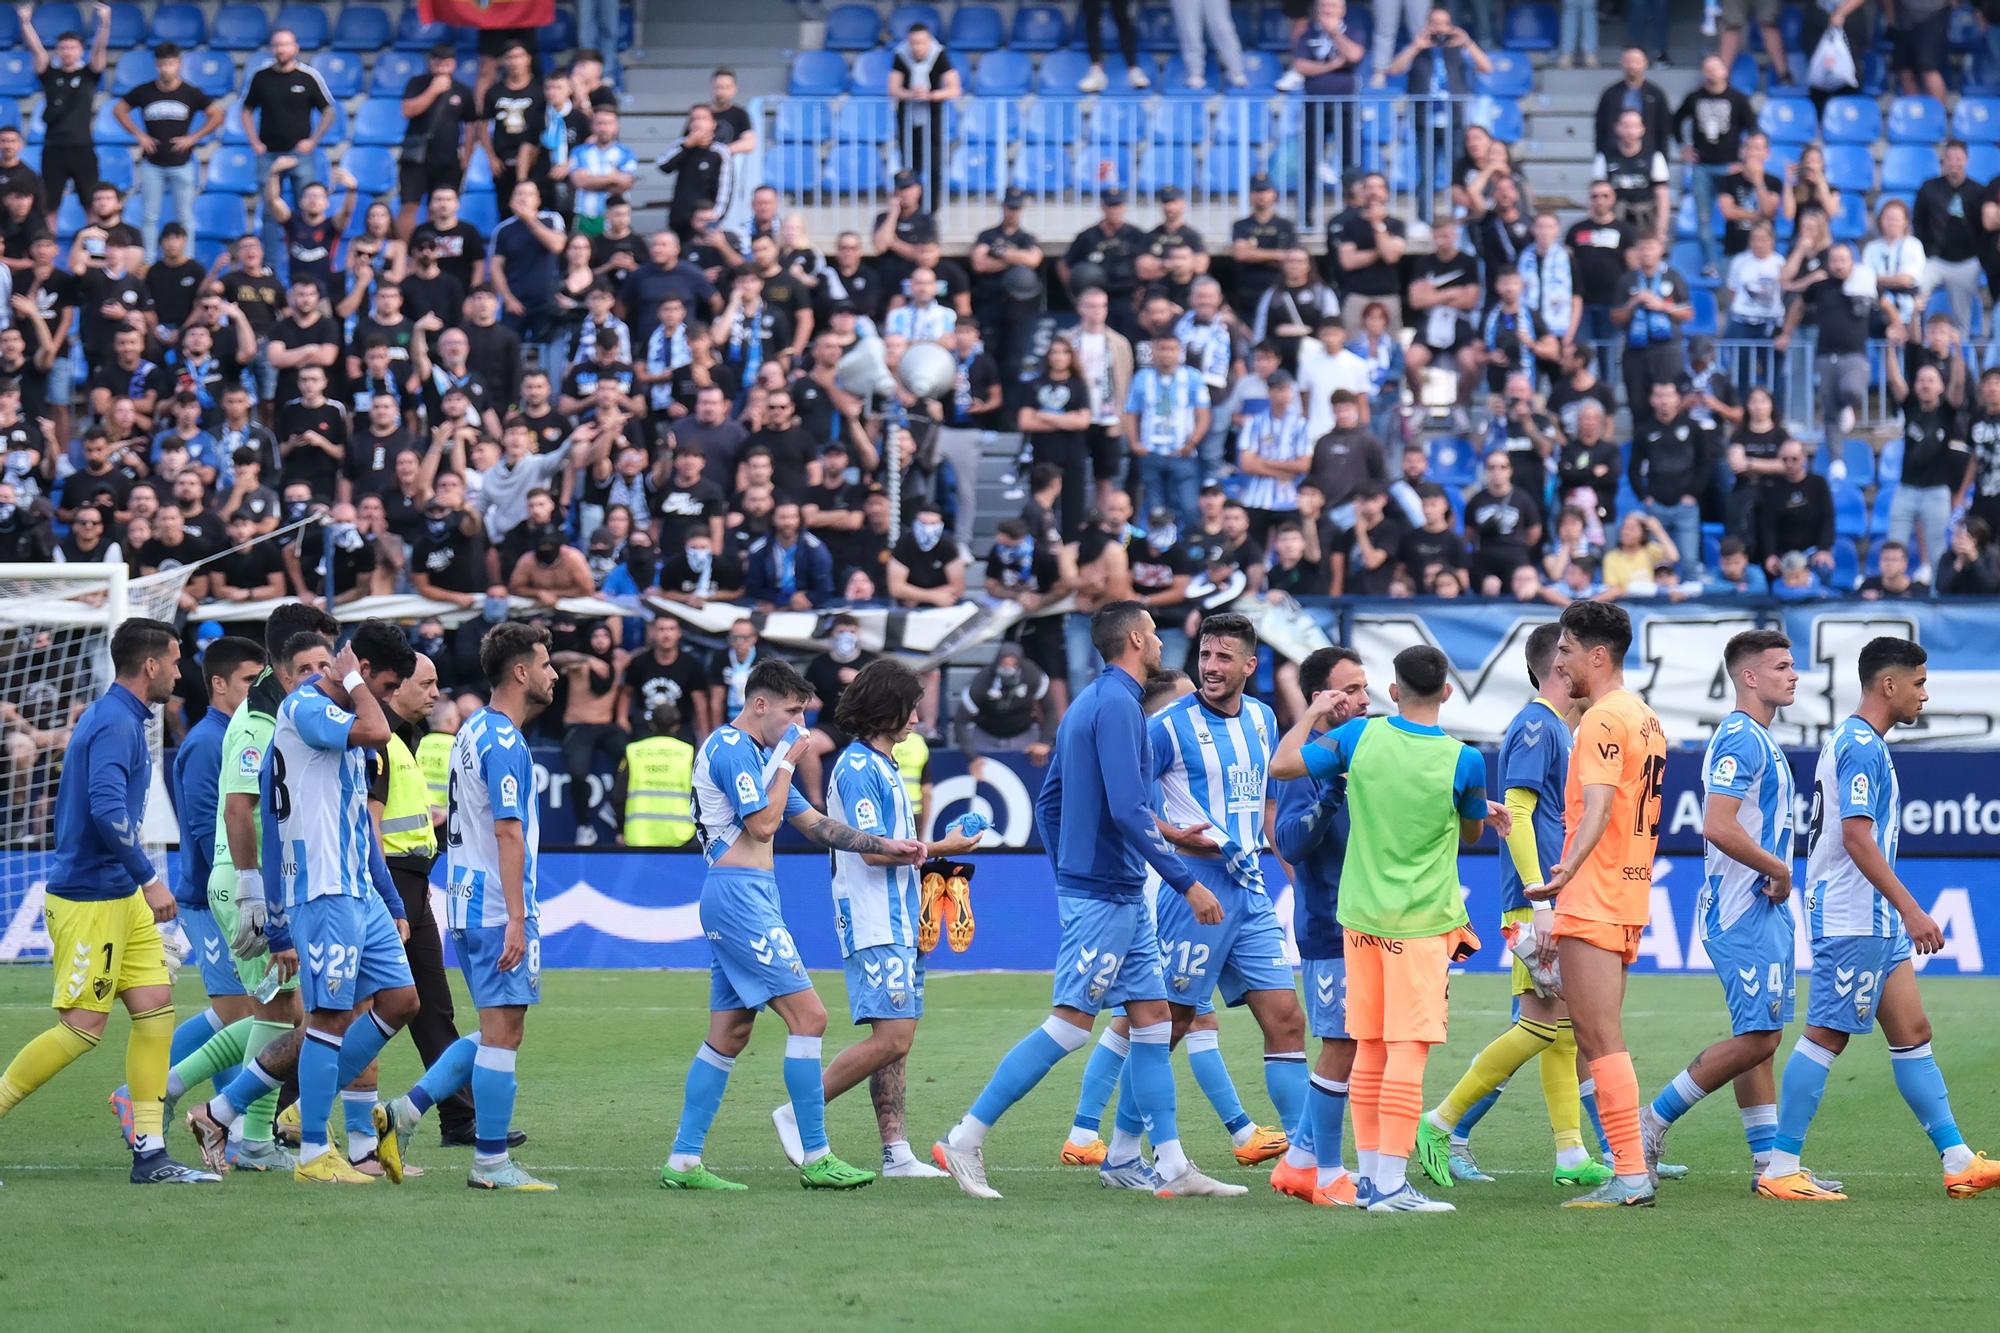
[252, 916]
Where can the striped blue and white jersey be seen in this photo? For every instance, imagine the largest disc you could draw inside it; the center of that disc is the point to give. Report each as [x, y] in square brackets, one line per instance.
[492, 778]
[1215, 769]
[871, 904]
[732, 773]
[1744, 762]
[319, 795]
[1855, 779]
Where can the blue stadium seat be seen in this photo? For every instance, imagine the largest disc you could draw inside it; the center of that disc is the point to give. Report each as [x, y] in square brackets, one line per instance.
[135, 67]
[10, 29]
[870, 74]
[1849, 166]
[1003, 74]
[374, 169]
[1852, 120]
[1906, 166]
[1846, 566]
[1788, 120]
[1262, 69]
[1121, 122]
[1038, 28]
[52, 21]
[1916, 120]
[336, 125]
[1512, 76]
[1850, 511]
[1976, 120]
[69, 218]
[17, 74]
[240, 28]
[380, 123]
[1045, 168]
[1686, 257]
[1745, 74]
[1060, 72]
[1878, 523]
[804, 120]
[818, 74]
[105, 129]
[792, 168]
[479, 172]
[128, 27]
[1156, 30]
[115, 168]
[975, 28]
[413, 34]
[1119, 86]
[1851, 221]
[362, 28]
[1048, 120]
[977, 169]
[903, 17]
[1705, 323]
[1530, 28]
[983, 121]
[855, 168]
[10, 111]
[232, 169]
[1889, 470]
[1454, 462]
[1227, 169]
[340, 69]
[211, 71]
[560, 35]
[1104, 166]
[869, 120]
[852, 28]
[1982, 161]
[1107, 32]
[1500, 117]
[308, 23]
[1173, 80]
[1179, 121]
[480, 209]
[1859, 458]
[393, 71]
[1167, 164]
[1966, 33]
[220, 215]
[183, 25]
[1274, 30]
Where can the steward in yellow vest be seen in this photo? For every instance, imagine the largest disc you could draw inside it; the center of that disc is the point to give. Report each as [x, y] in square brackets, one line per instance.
[655, 784]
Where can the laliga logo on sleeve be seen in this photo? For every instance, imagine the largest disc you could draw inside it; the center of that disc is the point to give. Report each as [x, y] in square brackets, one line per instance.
[510, 790]
[746, 789]
[1724, 773]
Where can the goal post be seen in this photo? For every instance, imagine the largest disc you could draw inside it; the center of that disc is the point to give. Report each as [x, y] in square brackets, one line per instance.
[56, 622]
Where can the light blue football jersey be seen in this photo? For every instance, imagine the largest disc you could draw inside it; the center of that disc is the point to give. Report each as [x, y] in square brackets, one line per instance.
[1743, 761]
[319, 796]
[1855, 778]
[872, 904]
[1213, 768]
[492, 778]
[731, 779]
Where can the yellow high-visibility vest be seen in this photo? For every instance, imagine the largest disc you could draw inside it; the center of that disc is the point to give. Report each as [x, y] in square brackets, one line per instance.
[434, 762]
[659, 780]
[912, 755]
[406, 810]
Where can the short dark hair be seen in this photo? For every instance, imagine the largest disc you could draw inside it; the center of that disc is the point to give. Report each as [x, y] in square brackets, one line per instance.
[777, 678]
[506, 643]
[291, 620]
[1111, 623]
[1749, 643]
[1599, 624]
[1542, 651]
[137, 641]
[303, 641]
[1013, 529]
[879, 700]
[228, 653]
[1160, 686]
[1318, 667]
[1889, 654]
[1229, 625]
[384, 647]
[1422, 670]
[665, 719]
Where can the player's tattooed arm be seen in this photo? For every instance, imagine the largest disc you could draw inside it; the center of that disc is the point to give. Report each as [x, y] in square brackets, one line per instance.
[831, 833]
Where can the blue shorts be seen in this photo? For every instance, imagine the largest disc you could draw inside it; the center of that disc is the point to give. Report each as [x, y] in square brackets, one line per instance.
[1326, 997]
[1847, 976]
[1753, 959]
[885, 981]
[209, 952]
[479, 959]
[348, 950]
[1245, 952]
[752, 960]
[1109, 955]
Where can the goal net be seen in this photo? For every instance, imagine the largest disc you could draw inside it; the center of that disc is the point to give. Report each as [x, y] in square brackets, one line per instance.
[55, 659]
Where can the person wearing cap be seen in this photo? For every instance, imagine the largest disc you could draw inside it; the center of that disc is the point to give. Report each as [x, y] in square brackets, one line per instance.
[922, 76]
[1259, 244]
[1113, 245]
[167, 134]
[999, 254]
[438, 108]
[1172, 231]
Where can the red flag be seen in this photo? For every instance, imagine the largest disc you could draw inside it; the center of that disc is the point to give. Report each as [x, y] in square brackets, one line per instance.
[488, 13]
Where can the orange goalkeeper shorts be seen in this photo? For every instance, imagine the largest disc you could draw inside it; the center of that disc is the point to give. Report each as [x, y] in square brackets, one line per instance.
[1606, 935]
[1396, 988]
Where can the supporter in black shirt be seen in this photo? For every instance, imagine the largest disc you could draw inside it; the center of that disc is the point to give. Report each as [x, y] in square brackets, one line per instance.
[1598, 245]
[898, 230]
[438, 108]
[793, 451]
[666, 674]
[449, 561]
[1506, 522]
[538, 414]
[252, 573]
[1796, 513]
[372, 451]
[1113, 245]
[305, 336]
[114, 289]
[1258, 243]
[461, 250]
[286, 104]
[312, 436]
[514, 115]
[1434, 546]
[69, 92]
[690, 501]
[13, 171]
[427, 290]
[173, 282]
[253, 287]
[1290, 572]
[1587, 464]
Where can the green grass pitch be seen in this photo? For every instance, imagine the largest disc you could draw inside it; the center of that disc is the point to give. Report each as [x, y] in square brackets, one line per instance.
[601, 1074]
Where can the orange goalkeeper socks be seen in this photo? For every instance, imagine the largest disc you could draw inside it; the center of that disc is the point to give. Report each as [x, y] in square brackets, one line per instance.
[1618, 1109]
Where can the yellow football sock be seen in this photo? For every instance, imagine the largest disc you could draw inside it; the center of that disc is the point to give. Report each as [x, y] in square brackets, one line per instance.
[1559, 1089]
[41, 1060]
[1495, 1065]
[147, 1059]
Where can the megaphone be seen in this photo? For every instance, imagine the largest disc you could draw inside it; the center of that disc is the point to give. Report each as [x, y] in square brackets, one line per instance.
[864, 371]
[927, 370]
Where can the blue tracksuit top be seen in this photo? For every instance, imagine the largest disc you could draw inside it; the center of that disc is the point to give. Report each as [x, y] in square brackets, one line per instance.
[101, 803]
[1311, 834]
[197, 771]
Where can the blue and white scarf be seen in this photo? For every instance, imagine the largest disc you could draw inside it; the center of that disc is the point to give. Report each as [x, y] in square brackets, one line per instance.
[1547, 287]
[664, 355]
[1650, 326]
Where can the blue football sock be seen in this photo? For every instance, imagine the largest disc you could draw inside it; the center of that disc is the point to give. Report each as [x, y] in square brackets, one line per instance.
[701, 1098]
[808, 1094]
[366, 1036]
[319, 1084]
[1760, 1128]
[192, 1035]
[1678, 1097]
[493, 1089]
[1026, 1065]
[452, 1071]
[1150, 1074]
[1799, 1092]
[1129, 1119]
[1285, 1078]
[1326, 1108]
[1476, 1112]
[249, 1083]
[358, 1112]
[1100, 1079]
[1587, 1094]
[1204, 1053]
[1921, 1082]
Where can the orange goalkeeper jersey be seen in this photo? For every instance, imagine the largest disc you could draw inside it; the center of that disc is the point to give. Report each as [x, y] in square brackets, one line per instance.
[1619, 744]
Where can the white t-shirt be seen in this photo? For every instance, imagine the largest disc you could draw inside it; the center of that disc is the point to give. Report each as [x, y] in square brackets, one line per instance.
[1757, 284]
[1885, 258]
[1320, 375]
